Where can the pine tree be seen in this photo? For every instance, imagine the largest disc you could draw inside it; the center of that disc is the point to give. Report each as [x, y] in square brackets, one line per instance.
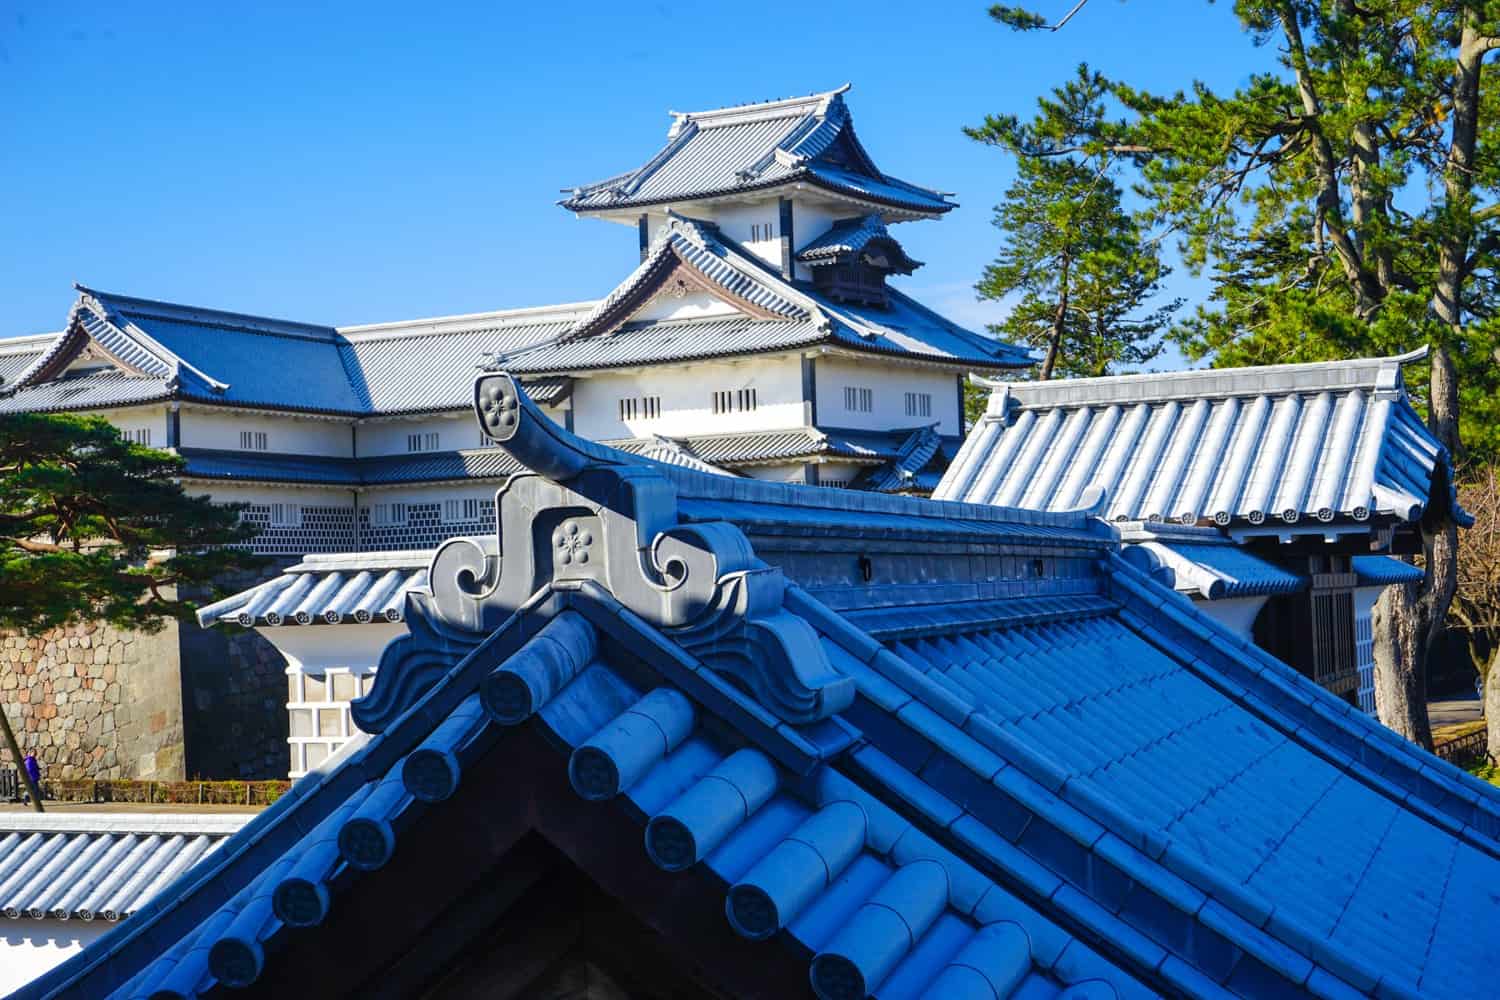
[1074, 262]
[1345, 201]
[96, 528]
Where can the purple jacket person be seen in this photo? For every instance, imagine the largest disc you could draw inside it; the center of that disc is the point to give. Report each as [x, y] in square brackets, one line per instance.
[33, 769]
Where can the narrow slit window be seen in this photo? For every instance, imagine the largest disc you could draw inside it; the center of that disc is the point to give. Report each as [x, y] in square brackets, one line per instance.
[858, 400]
[286, 515]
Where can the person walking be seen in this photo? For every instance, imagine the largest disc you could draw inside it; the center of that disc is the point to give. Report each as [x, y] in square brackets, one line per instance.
[34, 772]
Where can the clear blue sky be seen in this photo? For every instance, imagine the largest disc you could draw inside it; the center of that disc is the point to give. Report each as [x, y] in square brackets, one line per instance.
[374, 162]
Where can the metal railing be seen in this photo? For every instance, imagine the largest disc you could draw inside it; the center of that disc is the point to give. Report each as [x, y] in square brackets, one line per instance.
[1466, 748]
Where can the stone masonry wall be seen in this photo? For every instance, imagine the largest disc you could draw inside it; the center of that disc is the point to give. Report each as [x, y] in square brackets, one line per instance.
[94, 701]
[236, 704]
[185, 702]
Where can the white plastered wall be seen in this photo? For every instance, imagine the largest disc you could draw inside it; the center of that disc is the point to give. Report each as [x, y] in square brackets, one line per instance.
[151, 418]
[328, 666]
[288, 435]
[29, 948]
[1237, 614]
[811, 218]
[456, 432]
[686, 394]
[264, 494]
[889, 384]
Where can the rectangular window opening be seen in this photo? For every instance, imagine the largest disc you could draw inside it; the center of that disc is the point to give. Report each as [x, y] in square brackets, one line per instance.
[460, 509]
[858, 400]
[734, 401]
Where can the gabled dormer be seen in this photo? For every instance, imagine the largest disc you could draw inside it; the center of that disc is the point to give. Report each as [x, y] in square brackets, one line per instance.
[688, 272]
[771, 176]
[850, 262]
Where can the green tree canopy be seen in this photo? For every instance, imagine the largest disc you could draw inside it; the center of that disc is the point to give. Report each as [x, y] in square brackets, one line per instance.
[96, 528]
[1074, 262]
[1344, 201]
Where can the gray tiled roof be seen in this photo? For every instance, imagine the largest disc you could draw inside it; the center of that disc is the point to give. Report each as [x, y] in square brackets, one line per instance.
[749, 448]
[356, 589]
[1335, 441]
[756, 147]
[209, 463]
[992, 755]
[1382, 571]
[430, 365]
[703, 248]
[101, 865]
[661, 342]
[1201, 562]
[668, 451]
[183, 352]
[851, 236]
[911, 458]
[377, 470]
[110, 387]
[796, 316]
[19, 353]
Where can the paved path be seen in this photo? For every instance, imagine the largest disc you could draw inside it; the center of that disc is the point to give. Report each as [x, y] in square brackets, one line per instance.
[131, 807]
[1452, 711]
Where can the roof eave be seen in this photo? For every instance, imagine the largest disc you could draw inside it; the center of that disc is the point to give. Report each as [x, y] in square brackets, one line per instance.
[580, 206]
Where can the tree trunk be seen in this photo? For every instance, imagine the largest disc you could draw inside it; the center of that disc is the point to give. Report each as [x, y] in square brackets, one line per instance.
[15, 754]
[1492, 707]
[1400, 663]
[1059, 323]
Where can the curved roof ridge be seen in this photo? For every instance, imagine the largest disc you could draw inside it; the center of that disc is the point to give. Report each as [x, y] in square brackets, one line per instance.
[818, 102]
[1380, 373]
[199, 314]
[460, 322]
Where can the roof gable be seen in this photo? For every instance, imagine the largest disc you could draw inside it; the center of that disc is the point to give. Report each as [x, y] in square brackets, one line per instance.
[689, 256]
[97, 328]
[760, 146]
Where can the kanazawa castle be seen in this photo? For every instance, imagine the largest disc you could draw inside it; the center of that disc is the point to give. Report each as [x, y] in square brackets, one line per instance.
[759, 335]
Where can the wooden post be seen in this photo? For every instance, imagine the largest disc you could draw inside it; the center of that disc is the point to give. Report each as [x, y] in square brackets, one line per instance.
[21, 772]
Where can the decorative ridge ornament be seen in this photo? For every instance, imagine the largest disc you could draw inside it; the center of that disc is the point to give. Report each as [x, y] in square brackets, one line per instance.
[589, 513]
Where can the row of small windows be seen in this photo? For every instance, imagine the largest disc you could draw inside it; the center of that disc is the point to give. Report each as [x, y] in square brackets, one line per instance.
[734, 401]
[723, 401]
[464, 509]
[397, 513]
[857, 399]
[140, 435]
[861, 400]
[258, 441]
[762, 231]
[384, 515]
[640, 408]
